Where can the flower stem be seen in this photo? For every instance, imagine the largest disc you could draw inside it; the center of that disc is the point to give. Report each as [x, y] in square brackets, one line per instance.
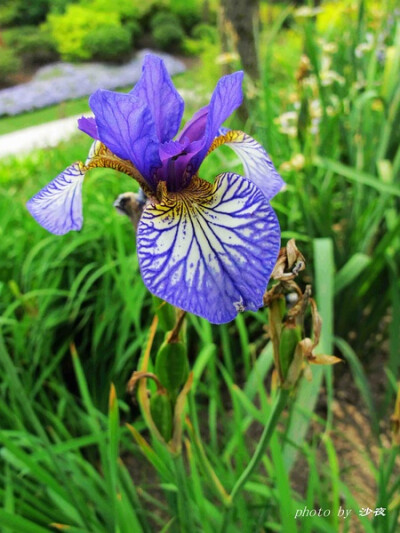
[278, 407]
[183, 499]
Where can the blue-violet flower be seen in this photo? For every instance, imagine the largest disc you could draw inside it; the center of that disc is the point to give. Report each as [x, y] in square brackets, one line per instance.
[208, 248]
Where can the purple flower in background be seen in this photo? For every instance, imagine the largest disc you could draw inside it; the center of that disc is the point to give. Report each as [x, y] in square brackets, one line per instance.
[208, 248]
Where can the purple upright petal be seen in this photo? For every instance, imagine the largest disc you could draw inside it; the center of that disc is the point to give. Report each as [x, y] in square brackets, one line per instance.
[155, 88]
[88, 126]
[196, 127]
[210, 251]
[172, 149]
[126, 127]
[58, 206]
[227, 97]
[174, 157]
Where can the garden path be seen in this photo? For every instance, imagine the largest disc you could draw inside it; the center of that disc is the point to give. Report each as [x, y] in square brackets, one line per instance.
[43, 136]
[57, 83]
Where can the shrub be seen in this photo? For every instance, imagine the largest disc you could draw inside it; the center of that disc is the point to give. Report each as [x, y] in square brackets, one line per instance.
[60, 6]
[168, 36]
[11, 37]
[162, 18]
[128, 12]
[145, 11]
[126, 9]
[9, 64]
[166, 30]
[19, 12]
[7, 15]
[33, 46]
[109, 43]
[189, 14]
[70, 29]
[205, 32]
[204, 37]
[134, 29]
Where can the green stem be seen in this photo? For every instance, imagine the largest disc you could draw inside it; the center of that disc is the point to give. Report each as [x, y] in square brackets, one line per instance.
[276, 411]
[183, 499]
[205, 463]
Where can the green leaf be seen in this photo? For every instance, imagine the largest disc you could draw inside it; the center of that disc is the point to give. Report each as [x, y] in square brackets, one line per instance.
[351, 270]
[17, 523]
[357, 176]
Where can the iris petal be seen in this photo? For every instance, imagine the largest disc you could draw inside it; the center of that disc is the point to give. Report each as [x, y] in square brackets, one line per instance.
[58, 206]
[195, 128]
[88, 126]
[155, 88]
[125, 125]
[211, 248]
[227, 96]
[257, 165]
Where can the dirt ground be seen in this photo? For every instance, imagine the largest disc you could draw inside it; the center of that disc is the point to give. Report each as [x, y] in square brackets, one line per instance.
[356, 446]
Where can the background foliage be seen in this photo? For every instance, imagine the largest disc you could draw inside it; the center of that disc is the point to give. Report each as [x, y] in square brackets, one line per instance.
[93, 29]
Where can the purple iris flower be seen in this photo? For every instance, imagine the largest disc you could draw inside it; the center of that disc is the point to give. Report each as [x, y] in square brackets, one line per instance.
[208, 248]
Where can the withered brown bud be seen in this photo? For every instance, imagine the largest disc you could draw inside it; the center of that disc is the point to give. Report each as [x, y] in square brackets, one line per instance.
[304, 69]
[290, 262]
[130, 204]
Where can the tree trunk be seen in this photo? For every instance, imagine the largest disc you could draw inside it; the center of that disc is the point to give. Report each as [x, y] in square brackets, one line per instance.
[237, 25]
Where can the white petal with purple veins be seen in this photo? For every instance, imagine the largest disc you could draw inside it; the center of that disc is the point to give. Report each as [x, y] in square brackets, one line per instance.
[211, 248]
[58, 206]
[257, 165]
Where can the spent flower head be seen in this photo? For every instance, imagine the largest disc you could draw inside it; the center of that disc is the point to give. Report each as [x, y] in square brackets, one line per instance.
[207, 248]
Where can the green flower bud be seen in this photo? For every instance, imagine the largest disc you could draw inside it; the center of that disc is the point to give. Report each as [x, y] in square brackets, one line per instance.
[172, 367]
[289, 338]
[165, 312]
[161, 413]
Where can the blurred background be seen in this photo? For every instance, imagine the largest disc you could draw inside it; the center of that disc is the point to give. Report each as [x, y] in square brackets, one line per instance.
[322, 94]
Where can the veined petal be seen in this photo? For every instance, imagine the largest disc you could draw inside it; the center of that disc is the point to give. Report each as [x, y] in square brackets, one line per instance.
[125, 125]
[227, 96]
[171, 149]
[96, 150]
[155, 88]
[58, 206]
[211, 248]
[195, 128]
[257, 165]
[88, 126]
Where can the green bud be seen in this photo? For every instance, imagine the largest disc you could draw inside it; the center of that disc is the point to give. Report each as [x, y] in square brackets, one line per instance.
[161, 412]
[289, 338]
[172, 367]
[165, 312]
